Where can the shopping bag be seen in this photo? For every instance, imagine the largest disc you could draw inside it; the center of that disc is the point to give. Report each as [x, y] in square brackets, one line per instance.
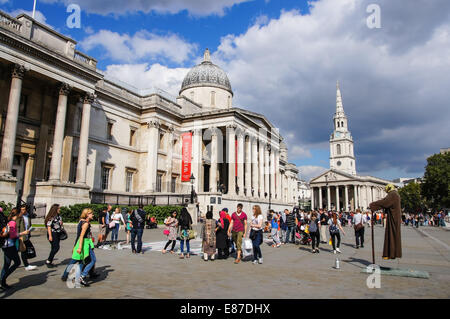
[330, 242]
[247, 247]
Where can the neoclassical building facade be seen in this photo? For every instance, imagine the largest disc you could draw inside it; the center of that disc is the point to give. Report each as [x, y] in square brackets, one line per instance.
[69, 134]
[340, 188]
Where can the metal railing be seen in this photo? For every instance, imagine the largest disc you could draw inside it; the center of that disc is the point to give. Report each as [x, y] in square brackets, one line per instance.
[10, 22]
[135, 200]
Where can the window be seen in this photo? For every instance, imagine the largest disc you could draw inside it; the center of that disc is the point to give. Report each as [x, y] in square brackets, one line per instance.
[338, 149]
[105, 177]
[109, 131]
[129, 181]
[342, 124]
[173, 184]
[213, 98]
[73, 171]
[23, 105]
[338, 124]
[132, 137]
[159, 183]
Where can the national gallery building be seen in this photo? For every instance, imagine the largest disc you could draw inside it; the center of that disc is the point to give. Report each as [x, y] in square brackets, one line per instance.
[71, 135]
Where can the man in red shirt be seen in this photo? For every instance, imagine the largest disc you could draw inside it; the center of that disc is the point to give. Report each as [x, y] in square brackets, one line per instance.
[238, 229]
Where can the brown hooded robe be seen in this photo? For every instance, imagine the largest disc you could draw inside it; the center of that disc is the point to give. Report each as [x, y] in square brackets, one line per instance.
[392, 237]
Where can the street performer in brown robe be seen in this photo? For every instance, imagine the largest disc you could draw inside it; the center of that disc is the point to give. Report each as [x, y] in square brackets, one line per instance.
[392, 237]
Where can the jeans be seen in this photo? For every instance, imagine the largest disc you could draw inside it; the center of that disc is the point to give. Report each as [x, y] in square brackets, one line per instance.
[290, 231]
[256, 245]
[333, 240]
[90, 265]
[137, 232]
[315, 237]
[188, 247]
[274, 233]
[359, 234]
[54, 246]
[282, 234]
[10, 254]
[115, 232]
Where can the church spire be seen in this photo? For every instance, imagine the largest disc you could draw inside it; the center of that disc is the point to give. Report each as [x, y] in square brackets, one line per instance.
[339, 105]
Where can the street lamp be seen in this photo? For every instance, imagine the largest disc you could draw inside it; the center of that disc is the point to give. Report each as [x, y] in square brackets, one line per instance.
[192, 179]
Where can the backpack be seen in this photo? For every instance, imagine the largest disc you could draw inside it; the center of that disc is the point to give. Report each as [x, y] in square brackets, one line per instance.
[334, 229]
[3, 225]
[283, 224]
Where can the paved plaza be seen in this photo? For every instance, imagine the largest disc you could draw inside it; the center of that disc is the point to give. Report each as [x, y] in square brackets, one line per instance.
[288, 272]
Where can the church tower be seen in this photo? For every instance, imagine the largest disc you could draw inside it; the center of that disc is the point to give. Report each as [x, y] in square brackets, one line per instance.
[342, 157]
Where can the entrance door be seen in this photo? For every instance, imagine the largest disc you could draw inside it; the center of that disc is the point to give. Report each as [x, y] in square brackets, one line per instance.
[18, 171]
[206, 168]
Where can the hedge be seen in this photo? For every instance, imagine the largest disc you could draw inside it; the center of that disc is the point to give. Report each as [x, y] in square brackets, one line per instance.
[6, 207]
[72, 213]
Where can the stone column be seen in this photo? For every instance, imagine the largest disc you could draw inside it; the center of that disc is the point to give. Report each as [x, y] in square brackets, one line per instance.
[277, 175]
[338, 206]
[240, 177]
[355, 195]
[248, 166]
[169, 158]
[197, 158]
[320, 197]
[84, 139]
[328, 198]
[261, 169]
[213, 168]
[346, 198]
[152, 154]
[266, 170]
[255, 173]
[55, 164]
[9, 137]
[312, 198]
[272, 173]
[231, 142]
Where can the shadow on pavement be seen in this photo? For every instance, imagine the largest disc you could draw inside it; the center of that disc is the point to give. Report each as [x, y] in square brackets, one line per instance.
[103, 272]
[26, 282]
[355, 261]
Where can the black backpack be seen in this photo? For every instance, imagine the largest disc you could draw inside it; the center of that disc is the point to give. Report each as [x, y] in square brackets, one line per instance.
[3, 224]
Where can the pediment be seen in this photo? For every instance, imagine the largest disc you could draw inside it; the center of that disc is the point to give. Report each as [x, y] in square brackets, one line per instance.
[333, 176]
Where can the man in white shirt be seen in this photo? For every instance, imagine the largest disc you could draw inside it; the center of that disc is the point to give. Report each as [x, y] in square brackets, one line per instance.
[359, 220]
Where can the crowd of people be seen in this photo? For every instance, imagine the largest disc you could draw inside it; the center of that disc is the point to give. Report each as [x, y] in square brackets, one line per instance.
[237, 234]
[436, 219]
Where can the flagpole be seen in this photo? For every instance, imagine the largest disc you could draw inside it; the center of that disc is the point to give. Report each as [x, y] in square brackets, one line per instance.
[34, 8]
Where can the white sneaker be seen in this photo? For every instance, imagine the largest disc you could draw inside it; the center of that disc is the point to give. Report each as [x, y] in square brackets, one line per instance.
[29, 268]
[338, 250]
[260, 260]
[334, 252]
[255, 262]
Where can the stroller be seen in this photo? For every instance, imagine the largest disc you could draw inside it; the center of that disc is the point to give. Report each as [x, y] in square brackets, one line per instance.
[302, 237]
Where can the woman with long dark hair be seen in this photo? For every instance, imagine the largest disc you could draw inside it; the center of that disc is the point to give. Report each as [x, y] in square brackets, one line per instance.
[54, 225]
[171, 223]
[209, 237]
[184, 225]
[335, 225]
[256, 234]
[10, 248]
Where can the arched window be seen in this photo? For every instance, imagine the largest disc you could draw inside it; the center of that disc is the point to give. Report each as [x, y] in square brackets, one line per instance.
[337, 124]
[338, 149]
[342, 124]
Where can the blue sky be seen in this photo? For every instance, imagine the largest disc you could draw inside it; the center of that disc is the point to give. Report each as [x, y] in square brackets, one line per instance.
[286, 55]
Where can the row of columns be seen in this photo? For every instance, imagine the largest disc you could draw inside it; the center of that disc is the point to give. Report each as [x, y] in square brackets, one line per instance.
[9, 138]
[371, 194]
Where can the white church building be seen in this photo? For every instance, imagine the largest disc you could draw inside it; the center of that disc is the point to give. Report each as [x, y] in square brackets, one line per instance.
[340, 188]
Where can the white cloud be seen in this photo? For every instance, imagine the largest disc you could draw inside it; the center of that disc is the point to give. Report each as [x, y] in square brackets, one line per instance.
[143, 76]
[120, 7]
[309, 171]
[143, 44]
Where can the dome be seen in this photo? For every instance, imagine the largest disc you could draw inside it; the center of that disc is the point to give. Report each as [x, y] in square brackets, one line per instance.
[206, 74]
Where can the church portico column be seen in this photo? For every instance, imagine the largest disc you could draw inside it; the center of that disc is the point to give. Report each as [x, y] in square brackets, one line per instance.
[320, 197]
[261, 170]
[55, 164]
[231, 159]
[214, 153]
[346, 198]
[255, 173]
[12, 116]
[84, 139]
[312, 198]
[248, 166]
[328, 198]
[355, 197]
[152, 154]
[337, 199]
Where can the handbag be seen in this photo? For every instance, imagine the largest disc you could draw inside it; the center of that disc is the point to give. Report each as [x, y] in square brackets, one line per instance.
[252, 235]
[30, 252]
[112, 224]
[166, 232]
[63, 234]
[192, 234]
[22, 247]
[247, 247]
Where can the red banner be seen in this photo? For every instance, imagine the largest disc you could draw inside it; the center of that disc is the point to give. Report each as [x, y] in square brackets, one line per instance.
[186, 157]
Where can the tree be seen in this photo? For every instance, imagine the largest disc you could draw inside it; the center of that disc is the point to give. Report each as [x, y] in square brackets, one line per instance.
[411, 198]
[436, 181]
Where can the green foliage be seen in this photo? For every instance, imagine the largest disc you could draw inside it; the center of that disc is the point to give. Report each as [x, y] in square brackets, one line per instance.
[72, 213]
[411, 197]
[436, 185]
[6, 207]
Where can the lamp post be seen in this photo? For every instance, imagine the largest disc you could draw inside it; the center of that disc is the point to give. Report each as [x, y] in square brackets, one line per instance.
[192, 179]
